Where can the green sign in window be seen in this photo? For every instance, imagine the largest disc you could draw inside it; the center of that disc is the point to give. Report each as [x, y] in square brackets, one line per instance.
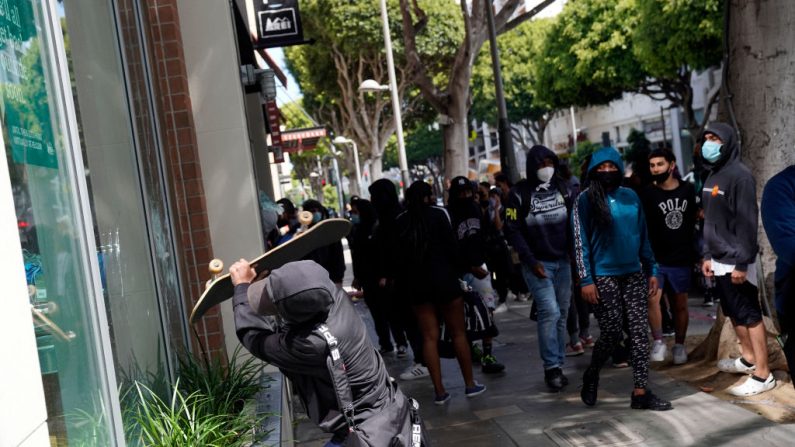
[25, 109]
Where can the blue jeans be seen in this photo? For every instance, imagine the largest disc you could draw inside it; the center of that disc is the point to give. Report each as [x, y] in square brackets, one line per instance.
[552, 296]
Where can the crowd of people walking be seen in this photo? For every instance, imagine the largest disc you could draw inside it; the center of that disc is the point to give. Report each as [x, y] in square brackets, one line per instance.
[625, 252]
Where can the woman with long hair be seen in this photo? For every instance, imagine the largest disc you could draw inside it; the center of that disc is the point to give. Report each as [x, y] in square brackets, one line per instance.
[617, 273]
[427, 277]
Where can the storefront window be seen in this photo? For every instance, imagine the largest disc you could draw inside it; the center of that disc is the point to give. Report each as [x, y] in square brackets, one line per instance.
[50, 220]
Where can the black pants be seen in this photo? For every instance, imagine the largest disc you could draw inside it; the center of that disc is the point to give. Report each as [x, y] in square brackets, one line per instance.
[388, 325]
[498, 260]
[621, 297]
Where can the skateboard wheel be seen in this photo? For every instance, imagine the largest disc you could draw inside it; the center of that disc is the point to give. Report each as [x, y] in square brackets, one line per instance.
[216, 266]
[305, 217]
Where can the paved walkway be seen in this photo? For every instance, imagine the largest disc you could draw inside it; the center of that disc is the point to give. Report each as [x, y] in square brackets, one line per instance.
[517, 409]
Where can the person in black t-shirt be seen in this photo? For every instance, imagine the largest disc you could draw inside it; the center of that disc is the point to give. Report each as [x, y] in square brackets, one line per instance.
[670, 208]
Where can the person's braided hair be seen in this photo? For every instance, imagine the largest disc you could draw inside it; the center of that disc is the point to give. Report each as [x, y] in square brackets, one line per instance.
[601, 217]
[417, 199]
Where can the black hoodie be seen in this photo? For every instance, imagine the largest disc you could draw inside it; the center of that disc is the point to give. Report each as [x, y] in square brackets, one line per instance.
[384, 198]
[730, 208]
[304, 296]
[537, 216]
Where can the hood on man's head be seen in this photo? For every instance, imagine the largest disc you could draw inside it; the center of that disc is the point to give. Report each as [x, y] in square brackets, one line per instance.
[535, 156]
[606, 154]
[298, 292]
[726, 133]
[384, 197]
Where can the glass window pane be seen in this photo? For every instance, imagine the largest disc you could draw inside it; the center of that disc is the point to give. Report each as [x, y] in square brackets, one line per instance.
[43, 182]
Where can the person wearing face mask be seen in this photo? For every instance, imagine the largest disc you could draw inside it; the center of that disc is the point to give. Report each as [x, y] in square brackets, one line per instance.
[670, 207]
[537, 216]
[730, 248]
[617, 273]
[287, 221]
[331, 256]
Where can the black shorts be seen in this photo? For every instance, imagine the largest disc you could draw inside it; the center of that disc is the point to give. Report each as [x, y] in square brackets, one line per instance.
[739, 302]
[438, 292]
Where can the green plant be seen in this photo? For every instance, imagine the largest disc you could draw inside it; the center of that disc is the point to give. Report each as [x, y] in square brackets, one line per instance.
[187, 420]
[227, 386]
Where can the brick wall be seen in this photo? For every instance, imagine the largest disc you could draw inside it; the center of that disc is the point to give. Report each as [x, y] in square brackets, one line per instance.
[178, 134]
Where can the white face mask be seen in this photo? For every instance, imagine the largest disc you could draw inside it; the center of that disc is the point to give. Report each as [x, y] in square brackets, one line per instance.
[545, 174]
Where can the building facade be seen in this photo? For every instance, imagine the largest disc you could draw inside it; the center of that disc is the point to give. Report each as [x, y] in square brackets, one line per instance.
[131, 149]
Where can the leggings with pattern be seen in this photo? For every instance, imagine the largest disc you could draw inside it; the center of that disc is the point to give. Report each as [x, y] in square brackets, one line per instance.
[623, 297]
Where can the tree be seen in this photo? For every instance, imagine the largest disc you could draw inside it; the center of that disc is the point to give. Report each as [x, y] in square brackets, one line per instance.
[349, 49]
[446, 87]
[672, 39]
[599, 49]
[761, 90]
[520, 50]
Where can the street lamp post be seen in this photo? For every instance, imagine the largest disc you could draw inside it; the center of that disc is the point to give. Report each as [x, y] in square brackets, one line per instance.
[342, 140]
[404, 170]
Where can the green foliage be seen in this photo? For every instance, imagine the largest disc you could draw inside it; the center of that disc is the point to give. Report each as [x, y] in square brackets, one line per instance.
[577, 159]
[330, 197]
[422, 143]
[520, 51]
[669, 35]
[587, 57]
[303, 162]
[187, 420]
[227, 386]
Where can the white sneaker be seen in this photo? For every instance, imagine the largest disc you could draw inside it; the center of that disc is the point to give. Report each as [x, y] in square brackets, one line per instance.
[680, 354]
[416, 371]
[503, 307]
[735, 366]
[658, 351]
[522, 297]
[752, 387]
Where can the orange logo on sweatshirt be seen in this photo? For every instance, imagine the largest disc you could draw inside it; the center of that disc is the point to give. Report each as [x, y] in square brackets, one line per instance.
[715, 191]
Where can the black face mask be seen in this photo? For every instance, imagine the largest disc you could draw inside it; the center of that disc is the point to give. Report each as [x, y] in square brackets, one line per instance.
[610, 180]
[484, 203]
[660, 178]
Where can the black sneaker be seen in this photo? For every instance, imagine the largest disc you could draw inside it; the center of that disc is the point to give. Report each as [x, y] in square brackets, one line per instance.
[490, 365]
[590, 384]
[554, 379]
[649, 401]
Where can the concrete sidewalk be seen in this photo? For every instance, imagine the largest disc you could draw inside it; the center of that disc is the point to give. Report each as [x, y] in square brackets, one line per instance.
[517, 409]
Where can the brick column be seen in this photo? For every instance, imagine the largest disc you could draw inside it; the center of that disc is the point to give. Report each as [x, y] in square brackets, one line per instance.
[178, 134]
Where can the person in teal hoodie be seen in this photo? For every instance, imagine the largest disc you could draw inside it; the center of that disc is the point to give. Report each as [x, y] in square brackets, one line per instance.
[617, 272]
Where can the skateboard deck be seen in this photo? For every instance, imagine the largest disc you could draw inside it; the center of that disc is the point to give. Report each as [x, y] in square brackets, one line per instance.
[321, 234]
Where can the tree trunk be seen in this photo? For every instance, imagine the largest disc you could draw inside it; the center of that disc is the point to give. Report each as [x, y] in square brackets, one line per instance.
[760, 78]
[376, 167]
[456, 135]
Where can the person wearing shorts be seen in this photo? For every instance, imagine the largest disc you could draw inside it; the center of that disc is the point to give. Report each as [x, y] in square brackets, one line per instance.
[670, 207]
[730, 248]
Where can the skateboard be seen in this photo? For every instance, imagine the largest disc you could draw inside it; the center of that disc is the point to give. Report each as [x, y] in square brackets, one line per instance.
[220, 288]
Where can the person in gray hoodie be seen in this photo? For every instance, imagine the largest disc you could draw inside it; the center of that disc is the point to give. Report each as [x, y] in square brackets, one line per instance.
[276, 319]
[730, 247]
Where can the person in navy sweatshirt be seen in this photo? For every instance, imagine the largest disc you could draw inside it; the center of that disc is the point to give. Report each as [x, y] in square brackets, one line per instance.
[617, 273]
[730, 230]
[778, 217]
[537, 217]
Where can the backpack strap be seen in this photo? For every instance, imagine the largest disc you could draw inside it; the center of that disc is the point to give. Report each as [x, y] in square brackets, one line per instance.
[339, 377]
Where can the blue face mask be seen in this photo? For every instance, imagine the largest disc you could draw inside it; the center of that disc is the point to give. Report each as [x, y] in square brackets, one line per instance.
[355, 219]
[317, 216]
[710, 150]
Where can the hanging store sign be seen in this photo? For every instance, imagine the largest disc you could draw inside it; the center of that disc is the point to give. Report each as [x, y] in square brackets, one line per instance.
[278, 23]
[23, 90]
[274, 124]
